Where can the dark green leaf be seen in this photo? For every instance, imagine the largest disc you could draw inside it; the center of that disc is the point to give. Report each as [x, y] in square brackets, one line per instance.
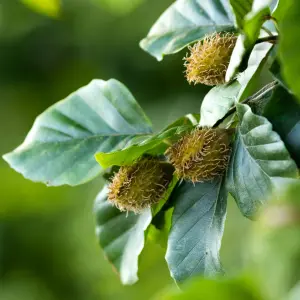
[206, 289]
[197, 229]
[288, 47]
[283, 111]
[258, 156]
[240, 9]
[121, 236]
[221, 98]
[154, 145]
[60, 148]
[184, 22]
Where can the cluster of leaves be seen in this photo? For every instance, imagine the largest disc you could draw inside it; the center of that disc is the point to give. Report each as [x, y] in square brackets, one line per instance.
[104, 120]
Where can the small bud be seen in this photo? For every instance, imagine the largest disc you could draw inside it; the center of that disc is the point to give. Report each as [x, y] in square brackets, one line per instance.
[136, 187]
[201, 155]
[209, 59]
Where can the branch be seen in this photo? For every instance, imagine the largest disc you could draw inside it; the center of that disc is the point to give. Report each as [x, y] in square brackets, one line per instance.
[254, 98]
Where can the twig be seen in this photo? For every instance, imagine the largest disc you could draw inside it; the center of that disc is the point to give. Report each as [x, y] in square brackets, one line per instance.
[255, 97]
[271, 39]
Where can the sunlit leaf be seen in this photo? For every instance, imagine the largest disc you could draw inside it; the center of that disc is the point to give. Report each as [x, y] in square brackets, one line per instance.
[221, 98]
[59, 149]
[246, 40]
[241, 8]
[184, 22]
[154, 145]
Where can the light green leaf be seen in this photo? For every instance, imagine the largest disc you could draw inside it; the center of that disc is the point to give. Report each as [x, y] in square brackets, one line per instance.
[241, 8]
[50, 8]
[283, 111]
[280, 9]
[121, 236]
[288, 46]
[184, 22]
[197, 229]
[60, 148]
[246, 41]
[258, 156]
[207, 289]
[154, 145]
[220, 99]
[217, 103]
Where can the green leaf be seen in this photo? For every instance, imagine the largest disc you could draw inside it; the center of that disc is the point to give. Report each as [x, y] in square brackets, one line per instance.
[283, 111]
[288, 47]
[258, 156]
[197, 229]
[255, 19]
[207, 289]
[246, 41]
[154, 145]
[50, 8]
[121, 236]
[184, 22]
[280, 9]
[241, 8]
[60, 148]
[220, 99]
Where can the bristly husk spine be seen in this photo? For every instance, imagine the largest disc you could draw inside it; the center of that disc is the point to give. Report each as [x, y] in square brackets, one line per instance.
[208, 60]
[201, 155]
[139, 186]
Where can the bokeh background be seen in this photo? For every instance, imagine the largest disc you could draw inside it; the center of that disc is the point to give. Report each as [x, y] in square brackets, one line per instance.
[48, 249]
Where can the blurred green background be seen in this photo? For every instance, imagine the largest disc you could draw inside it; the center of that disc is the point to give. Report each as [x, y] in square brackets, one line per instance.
[48, 249]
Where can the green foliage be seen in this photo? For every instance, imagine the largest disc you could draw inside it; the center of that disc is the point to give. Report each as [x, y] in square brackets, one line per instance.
[184, 22]
[102, 120]
[153, 145]
[220, 99]
[258, 155]
[197, 229]
[241, 8]
[121, 236]
[288, 51]
[250, 31]
[61, 145]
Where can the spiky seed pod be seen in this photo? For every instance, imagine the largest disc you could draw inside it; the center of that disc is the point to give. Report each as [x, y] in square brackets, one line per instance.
[209, 59]
[201, 155]
[140, 185]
